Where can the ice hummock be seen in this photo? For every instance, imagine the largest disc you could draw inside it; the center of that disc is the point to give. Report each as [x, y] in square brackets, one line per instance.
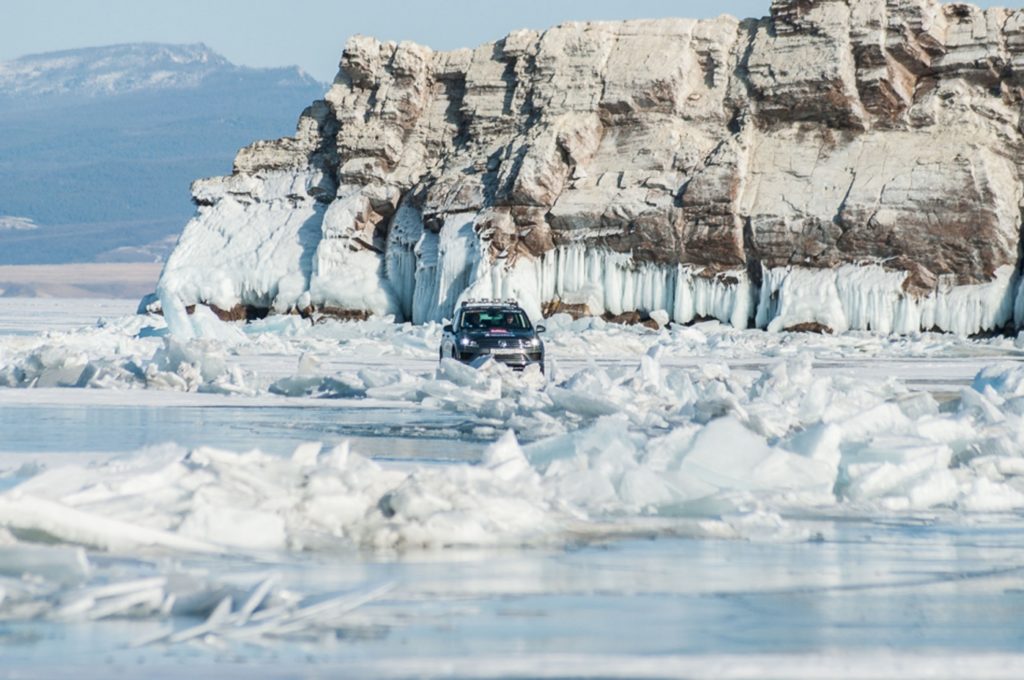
[61, 584]
[609, 447]
[698, 423]
[703, 431]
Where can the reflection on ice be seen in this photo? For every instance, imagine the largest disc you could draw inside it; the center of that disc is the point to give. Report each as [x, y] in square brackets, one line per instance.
[894, 591]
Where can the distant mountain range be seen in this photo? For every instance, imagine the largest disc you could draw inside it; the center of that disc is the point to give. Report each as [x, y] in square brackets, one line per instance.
[100, 145]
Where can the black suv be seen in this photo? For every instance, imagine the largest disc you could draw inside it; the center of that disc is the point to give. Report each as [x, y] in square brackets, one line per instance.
[494, 328]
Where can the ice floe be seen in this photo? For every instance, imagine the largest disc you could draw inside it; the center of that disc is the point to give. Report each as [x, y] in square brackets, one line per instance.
[613, 445]
[702, 431]
[695, 422]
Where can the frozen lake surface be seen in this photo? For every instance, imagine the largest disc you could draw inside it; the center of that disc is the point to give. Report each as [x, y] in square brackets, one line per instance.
[384, 432]
[694, 502]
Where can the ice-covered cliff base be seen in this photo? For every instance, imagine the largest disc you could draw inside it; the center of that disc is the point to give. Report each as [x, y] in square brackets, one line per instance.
[274, 264]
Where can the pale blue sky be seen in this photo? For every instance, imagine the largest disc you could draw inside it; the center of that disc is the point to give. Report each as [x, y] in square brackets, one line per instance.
[311, 33]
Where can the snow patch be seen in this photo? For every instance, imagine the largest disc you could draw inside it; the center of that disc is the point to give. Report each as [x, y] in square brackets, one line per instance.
[11, 223]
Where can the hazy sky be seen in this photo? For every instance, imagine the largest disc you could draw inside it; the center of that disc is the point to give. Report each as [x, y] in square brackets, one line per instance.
[311, 33]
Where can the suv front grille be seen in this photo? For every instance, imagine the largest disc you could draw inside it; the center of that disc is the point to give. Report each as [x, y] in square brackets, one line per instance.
[500, 343]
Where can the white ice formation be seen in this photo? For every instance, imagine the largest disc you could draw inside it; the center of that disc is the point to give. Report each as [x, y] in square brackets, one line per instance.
[703, 431]
[659, 449]
[660, 434]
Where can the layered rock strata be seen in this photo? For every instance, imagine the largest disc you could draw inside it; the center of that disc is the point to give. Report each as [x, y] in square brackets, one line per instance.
[838, 164]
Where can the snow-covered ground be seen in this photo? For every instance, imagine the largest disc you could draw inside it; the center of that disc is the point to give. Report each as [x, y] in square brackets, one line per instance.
[691, 502]
[83, 280]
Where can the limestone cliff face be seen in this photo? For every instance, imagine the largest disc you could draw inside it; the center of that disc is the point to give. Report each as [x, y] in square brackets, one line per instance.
[839, 163]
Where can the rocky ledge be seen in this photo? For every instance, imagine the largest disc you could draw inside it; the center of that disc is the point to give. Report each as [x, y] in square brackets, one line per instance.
[837, 165]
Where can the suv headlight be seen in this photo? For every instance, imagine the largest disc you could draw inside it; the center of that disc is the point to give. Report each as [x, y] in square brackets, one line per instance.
[467, 342]
[533, 342]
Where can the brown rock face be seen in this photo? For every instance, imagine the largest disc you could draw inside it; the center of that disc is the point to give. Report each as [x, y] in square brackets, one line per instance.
[640, 165]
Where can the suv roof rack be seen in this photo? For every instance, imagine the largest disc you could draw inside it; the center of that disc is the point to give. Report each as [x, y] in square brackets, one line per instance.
[489, 301]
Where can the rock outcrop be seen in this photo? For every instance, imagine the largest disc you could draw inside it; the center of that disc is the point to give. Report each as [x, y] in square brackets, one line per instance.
[838, 164]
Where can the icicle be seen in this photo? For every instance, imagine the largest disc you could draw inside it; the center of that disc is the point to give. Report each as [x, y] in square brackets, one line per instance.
[446, 264]
[612, 282]
[425, 288]
[1018, 308]
[869, 297]
[400, 258]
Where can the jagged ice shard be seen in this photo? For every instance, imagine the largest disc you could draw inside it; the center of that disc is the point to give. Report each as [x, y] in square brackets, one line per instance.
[841, 165]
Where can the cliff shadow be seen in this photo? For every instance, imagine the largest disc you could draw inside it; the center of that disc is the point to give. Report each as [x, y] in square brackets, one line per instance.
[309, 236]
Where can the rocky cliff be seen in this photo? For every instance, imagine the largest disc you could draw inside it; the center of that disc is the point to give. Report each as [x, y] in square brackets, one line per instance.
[842, 164]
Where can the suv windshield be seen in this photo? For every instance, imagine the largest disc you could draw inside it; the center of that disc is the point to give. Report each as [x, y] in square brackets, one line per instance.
[485, 319]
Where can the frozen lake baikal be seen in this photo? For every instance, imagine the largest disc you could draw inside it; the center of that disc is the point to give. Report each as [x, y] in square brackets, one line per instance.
[288, 498]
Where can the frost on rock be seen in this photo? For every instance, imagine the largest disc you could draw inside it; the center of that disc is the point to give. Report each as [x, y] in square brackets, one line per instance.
[346, 273]
[832, 166]
[446, 263]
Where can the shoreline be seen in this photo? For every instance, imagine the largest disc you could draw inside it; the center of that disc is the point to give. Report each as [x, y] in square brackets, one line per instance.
[80, 280]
